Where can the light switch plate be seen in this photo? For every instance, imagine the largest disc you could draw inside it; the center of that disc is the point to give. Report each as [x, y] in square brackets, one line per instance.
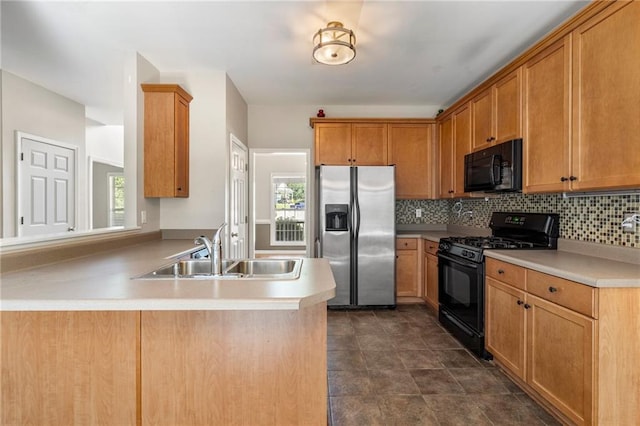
[418, 212]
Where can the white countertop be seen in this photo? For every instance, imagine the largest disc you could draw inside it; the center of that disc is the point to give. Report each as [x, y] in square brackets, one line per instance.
[579, 267]
[589, 270]
[103, 282]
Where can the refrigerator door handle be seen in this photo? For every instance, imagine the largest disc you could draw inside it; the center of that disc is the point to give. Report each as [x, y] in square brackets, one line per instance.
[356, 209]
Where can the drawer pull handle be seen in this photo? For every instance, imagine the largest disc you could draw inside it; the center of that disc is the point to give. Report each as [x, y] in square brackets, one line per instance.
[520, 302]
[552, 289]
[527, 306]
[501, 271]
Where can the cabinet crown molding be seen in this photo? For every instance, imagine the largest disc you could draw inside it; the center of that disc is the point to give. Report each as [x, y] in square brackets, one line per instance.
[314, 120]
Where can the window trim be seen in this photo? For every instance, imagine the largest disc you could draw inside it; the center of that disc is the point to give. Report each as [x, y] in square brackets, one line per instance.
[272, 220]
[110, 180]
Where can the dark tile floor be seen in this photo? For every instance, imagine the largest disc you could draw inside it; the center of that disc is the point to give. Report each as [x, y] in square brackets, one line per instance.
[399, 367]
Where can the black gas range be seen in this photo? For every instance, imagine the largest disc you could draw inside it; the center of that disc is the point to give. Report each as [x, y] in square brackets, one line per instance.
[461, 269]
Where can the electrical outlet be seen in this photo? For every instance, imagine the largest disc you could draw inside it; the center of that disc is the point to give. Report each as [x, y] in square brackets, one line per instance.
[629, 222]
[418, 212]
[143, 216]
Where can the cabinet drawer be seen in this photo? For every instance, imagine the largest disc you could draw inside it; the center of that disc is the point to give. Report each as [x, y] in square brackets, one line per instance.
[430, 247]
[575, 296]
[406, 244]
[506, 272]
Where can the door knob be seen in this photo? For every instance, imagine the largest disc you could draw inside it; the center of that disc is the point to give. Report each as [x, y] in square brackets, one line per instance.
[234, 234]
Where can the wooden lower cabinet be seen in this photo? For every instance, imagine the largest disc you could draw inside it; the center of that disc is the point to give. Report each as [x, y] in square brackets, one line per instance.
[234, 367]
[505, 325]
[408, 267]
[581, 366]
[430, 274]
[561, 357]
[65, 368]
[165, 367]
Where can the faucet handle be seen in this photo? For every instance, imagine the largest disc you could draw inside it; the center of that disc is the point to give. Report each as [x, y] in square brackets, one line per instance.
[216, 237]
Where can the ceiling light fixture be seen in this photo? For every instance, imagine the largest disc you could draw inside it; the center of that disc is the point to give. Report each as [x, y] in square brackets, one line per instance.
[334, 45]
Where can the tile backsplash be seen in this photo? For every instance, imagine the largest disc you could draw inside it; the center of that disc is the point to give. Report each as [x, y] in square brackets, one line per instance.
[594, 219]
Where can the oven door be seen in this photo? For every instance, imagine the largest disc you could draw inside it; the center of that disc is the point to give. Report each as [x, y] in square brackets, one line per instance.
[461, 292]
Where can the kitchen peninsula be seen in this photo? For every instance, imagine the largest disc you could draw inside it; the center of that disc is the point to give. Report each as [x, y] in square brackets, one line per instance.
[83, 343]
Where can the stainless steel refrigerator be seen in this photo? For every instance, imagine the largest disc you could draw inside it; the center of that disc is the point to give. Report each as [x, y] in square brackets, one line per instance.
[356, 232]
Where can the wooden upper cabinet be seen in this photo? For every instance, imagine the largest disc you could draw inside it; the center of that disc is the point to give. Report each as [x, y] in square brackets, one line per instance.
[547, 119]
[606, 99]
[445, 135]
[333, 144]
[351, 144]
[410, 149]
[497, 112]
[461, 146]
[482, 131]
[508, 107]
[166, 140]
[369, 144]
[455, 143]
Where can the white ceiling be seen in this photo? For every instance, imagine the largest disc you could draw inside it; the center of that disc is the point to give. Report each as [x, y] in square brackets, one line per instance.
[408, 52]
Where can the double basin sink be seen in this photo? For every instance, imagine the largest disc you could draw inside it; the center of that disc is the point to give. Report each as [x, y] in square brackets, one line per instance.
[246, 269]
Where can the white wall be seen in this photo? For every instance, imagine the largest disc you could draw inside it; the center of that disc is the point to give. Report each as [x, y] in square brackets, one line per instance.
[33, 109]
[264, 165]
[105, 143]
[208, 146]
[137, 70]
[237, 113]
[275, 126]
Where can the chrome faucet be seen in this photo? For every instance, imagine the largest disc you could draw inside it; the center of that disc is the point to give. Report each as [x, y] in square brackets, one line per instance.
[214, 249]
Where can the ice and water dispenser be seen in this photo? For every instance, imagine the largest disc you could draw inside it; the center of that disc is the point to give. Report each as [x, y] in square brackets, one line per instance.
[336, 217]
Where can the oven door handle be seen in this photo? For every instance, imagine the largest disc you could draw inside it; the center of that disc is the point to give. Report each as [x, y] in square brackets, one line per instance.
[459, 261]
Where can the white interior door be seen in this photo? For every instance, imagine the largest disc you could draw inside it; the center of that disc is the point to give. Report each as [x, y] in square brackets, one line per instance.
[238, 200]
[46, 186]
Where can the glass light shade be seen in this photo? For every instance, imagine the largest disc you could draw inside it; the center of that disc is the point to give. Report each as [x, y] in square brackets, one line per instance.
[334, 45]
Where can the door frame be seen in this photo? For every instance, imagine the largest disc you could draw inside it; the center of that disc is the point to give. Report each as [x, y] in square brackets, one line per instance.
[90, 160]
[227, 234]
[310, 195]
[19, 135]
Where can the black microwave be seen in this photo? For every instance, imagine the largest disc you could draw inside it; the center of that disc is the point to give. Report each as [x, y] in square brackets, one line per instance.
[494, 169]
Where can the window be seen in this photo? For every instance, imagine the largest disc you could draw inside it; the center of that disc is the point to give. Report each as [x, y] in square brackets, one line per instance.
[288, 217]
[116, 199]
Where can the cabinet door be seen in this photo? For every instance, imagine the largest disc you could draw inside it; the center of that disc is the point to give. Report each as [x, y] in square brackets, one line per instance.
[333, 144]
[182, 147]
[561, 358]
[65, 368]
[430, 288]
[507, 115]
[228, 367]
[406, 273]
[546, 119]
[410, 150]
[505, 325]
[461, 147]
[166, 140]
[446, 158]
[606, 110]
[369, 146]
[481, 106]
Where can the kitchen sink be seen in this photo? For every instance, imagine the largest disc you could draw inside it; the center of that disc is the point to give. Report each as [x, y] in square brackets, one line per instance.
[243, 269]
